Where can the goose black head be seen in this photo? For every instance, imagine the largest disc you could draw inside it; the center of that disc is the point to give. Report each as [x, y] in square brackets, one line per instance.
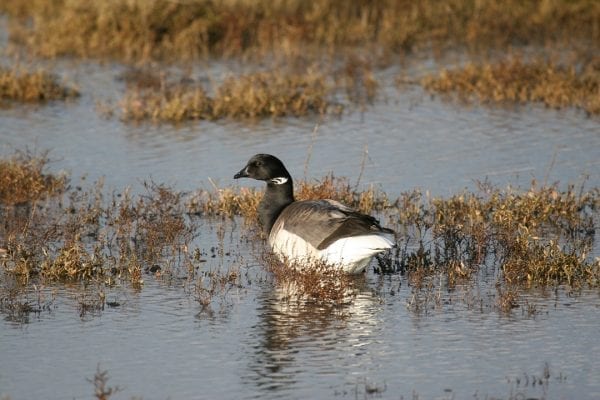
[265, 167]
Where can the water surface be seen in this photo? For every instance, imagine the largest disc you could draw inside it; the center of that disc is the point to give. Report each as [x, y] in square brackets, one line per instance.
[161, 343]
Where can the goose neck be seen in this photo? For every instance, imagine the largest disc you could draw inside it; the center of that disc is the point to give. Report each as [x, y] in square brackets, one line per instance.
[276, 198]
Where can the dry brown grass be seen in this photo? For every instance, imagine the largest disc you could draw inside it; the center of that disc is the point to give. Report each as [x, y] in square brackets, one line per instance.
[312, 281]
[135, 31]
[212, 284]
[160, 29]
[19, 84]
[517, 81]
[23, 179]
[338, 188]
[77, 235]
[538, 236]
[101, 389]
[277, 93]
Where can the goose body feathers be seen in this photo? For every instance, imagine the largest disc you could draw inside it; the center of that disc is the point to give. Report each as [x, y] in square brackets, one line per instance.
[322, 230]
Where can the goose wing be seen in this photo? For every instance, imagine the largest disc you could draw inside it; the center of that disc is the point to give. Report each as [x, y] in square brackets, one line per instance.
[322, 222]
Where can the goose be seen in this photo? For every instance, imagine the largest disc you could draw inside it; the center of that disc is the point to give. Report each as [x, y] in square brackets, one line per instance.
[301, 232]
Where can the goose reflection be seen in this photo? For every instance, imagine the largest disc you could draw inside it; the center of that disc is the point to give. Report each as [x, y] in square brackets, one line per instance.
[298, 341]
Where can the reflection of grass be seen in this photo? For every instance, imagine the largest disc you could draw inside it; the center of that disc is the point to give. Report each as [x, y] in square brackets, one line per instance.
[162, 29]
[517, 81]
[20, 85]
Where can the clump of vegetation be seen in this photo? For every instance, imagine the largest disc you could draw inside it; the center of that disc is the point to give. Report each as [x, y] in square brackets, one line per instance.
[313, 281]
[539, 236]
[23, 180]
[17, 84]
[256, 95]
[226, 202]
[77, 235]
[515, 80]
[17, 305]
[275, 94]
[161, 29]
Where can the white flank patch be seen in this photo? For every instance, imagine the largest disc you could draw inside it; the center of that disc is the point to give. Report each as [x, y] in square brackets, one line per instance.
[352, 254]
[279, 180]
[292, 247]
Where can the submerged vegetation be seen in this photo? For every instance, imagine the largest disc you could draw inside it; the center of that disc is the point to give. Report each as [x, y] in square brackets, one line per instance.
[54, 233]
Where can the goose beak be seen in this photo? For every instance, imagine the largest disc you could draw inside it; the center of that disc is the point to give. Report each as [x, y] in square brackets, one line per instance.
[242, 174]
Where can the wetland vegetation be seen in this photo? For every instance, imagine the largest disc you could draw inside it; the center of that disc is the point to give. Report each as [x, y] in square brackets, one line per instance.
[53, 232]
[519, 81]
[178, 31]
[303, 57]
[17, 84]
[282, 59]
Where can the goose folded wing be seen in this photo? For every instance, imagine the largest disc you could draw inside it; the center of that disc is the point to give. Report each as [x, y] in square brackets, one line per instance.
[322, 222]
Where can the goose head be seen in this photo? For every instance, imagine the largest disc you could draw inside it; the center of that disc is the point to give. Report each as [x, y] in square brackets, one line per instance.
[265, 167]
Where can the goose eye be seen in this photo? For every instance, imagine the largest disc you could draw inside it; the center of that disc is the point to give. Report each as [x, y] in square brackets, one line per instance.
[258, 163]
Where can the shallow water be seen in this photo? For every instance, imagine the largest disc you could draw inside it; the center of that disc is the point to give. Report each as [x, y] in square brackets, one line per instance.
[161, 343]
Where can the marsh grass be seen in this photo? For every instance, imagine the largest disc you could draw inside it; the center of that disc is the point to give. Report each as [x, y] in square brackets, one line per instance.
[20, 85]
[18, 304]
[538, 236]
[277, 92]
[134, 30]
[81, 236]
[214, 285]
[251, 96]
[287, 43]
[517, 81]
[23, 179]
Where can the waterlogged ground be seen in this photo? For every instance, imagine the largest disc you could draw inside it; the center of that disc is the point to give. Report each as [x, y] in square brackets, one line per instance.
[160, 342]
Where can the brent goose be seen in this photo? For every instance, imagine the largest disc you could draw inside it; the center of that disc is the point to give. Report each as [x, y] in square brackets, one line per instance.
[322, 230]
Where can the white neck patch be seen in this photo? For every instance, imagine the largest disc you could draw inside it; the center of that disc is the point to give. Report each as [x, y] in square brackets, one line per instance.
[279, 180]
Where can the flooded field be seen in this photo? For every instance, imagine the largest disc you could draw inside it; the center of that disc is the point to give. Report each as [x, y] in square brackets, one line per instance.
[205, 316]
[160, 342]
